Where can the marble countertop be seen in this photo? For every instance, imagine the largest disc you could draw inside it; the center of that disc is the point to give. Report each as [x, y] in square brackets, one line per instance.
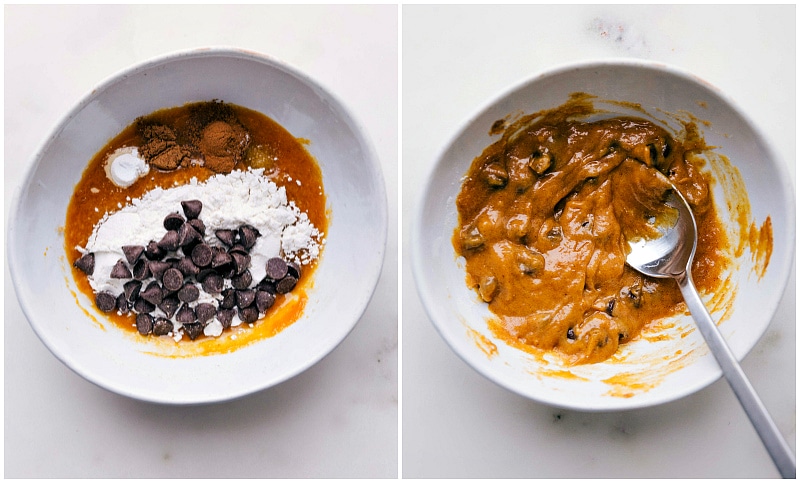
[456, 423]
[339, 418]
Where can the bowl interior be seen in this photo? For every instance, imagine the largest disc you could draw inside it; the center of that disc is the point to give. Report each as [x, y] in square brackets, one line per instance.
[352, 258]
[647, 371]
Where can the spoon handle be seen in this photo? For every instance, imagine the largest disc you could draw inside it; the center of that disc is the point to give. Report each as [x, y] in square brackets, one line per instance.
[765, 427]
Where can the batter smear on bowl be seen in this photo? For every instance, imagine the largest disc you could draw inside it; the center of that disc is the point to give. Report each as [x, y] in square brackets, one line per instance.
[544, 215]
[196, 221]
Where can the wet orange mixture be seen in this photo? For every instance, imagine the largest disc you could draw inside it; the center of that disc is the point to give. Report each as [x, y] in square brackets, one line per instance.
[544, 218]
[271, 147]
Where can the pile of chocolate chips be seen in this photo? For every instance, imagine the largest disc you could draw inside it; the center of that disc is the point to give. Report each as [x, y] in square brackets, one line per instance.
[164, 274]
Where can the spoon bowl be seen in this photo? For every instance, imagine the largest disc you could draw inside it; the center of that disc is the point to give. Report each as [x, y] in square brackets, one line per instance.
[670, 256]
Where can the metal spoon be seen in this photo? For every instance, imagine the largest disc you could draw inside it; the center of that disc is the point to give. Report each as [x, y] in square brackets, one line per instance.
[670, 256]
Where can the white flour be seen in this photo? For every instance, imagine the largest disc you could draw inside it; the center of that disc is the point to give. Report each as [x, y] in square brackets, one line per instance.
[229, 201]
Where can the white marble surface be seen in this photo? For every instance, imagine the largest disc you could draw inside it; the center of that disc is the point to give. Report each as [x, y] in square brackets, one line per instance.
[455, 423]
[338, 419]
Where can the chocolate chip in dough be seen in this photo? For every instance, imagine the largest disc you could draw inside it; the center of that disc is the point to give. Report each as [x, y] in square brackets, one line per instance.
[193, 330]
[202, 255]
[198, 225]
[205, 312]
[169, 306]
[185, 315]
[267, 285]
[241, 261]
[173, 221]
[158, 268]
[227, 237]
[294, 269]
[120, 270]
[142, 306]
[213, 283]
[132, 253]
[144, 323]
[245, 298]
[170, 241]
[187, 267]
[122, 304]
[242, 281]
[173, 279]
[153, 252]
[153, 293]
[248, 235]
[264, 300]
[225, 317]
[248, 314]
[141, 270]
[131, 290]
[188, 293]
[277, 268]
[286, 284]
[192, 208]
[162, 326]
[187, 234]
[85, 263]
[105, 301]
[220, 258]
[228, 299]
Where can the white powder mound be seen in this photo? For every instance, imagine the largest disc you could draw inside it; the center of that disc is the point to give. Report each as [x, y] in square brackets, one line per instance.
[229, 201]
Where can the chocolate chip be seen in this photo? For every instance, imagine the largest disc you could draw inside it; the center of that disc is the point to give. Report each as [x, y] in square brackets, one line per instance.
[142, 306]
[185, 315]
[227, 237]
[192, 208]
[141, 271]
[187, 234]
[173, 221]
[267, 286]
[238, 248]
[248, 235]
[169, 306]
[122, 304]
[245, 298]
[105, 301]
[225, 317]
[276, 268]
[201, 255]
[248, 314]
[162, 326]
[198, 225]
[132, 253]
[158, 268]
[242, 281]
[188, 293]
[294, 269]
[153, 293]
[205, 312]
[131, 290]
[203, 273]
[144, 323]
[286, 284]
[220, 258]
[173, 279]
[153, 252]
[85, 263]
[213, 283]
[187, 267]
[264, 300]
[120, 270]
[240, 261]
[226, 271]
[193, 330]
[169, 242]
[228, 299]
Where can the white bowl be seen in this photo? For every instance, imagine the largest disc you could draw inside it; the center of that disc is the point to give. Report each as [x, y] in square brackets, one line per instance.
[343, 282]
[647, 371]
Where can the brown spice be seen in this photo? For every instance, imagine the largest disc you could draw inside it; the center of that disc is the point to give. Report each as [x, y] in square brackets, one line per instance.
[161, 148]
[223, 145]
